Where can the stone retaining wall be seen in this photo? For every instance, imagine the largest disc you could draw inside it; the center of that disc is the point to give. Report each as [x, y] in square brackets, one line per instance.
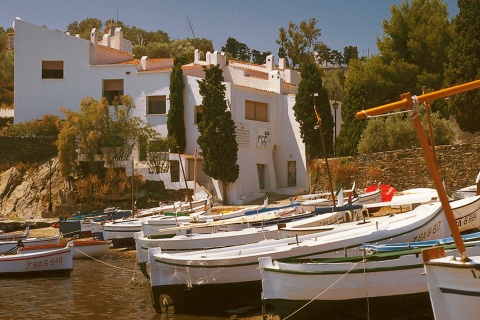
[406, 169]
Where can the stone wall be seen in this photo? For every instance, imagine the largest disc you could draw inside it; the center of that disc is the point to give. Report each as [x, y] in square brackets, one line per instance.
[29, 149]
[405, 169]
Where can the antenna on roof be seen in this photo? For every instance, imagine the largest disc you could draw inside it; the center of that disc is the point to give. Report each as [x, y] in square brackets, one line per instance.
[190, 26]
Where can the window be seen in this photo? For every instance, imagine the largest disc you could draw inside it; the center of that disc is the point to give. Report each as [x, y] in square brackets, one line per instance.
[257, 111]
[112, 88]
[156, 104]
[52, 69]
[198, 114]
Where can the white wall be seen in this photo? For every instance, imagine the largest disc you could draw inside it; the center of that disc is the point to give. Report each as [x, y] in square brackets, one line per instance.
[35, 97]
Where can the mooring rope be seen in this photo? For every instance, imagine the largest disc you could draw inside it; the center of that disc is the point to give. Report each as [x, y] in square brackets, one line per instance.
[105, 263]
[306, 304]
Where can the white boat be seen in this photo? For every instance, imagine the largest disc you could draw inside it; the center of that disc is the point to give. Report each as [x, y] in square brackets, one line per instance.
[121, 232]
[12, 245]
[229, 275]
[82, 249]
[225, 273]
[171, 226]
[468, 191]
[201, 241]
[45, 263]
[374, 196]
[382, 283]
[14, 235]
[452, 280]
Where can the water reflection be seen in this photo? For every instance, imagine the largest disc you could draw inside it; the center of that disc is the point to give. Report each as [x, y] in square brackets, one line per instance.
[112, 288]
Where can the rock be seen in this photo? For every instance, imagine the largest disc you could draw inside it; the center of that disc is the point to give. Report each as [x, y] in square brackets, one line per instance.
[8, 181]
[27, 196]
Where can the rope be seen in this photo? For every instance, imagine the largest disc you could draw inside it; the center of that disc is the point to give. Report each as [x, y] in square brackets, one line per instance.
[306, 304]
[108, 264]
[386, 114]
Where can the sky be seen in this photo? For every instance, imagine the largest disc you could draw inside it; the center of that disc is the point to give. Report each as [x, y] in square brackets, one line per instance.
[255, 23]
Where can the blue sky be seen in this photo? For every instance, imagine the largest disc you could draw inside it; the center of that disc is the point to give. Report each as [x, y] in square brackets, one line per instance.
[253, 22]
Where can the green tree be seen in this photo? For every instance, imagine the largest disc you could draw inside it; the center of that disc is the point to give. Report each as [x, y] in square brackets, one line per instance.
[217, 142]
[350, 53]
[85, 26]
[356, 99]
[396, 132]
[49, 126]
[175, 117]
[464, 66]
[259, 57]
[100, 129]
[334, 83]
[236, 50]
[299, 42]
[418, 33]
[311, 84]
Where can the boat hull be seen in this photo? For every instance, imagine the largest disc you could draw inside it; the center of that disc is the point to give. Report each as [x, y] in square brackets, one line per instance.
[9, 246]
[83, 249]
[57, 262]
[454, 287]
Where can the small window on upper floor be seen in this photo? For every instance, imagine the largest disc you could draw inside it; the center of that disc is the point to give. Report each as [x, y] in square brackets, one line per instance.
[52, 69]
[198, 114]
[112, 88]
[156, 104]
[255, 110]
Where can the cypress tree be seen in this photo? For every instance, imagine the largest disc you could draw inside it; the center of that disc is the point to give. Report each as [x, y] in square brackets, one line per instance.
[219, 147]
[310, 84]
[175, 117]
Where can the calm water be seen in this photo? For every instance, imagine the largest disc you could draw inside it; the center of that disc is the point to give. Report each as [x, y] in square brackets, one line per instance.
[112, 288]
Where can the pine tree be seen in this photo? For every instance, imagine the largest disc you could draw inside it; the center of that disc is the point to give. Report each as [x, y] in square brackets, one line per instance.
[311, 84]
[464, 65]
[219, 147]
[175, 118]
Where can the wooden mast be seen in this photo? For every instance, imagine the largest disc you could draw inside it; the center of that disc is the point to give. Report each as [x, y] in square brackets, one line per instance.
[410, 103]
[319, 123]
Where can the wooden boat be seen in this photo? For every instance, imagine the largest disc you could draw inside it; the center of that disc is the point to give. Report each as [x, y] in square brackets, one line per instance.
[121, 232]
[90, 224]
[229, 275]
[373, 196]
[82, 249]
[380, 283]
[15, 235]
[452, 280]
[56, 262]
[171, 226]
[11, 246]
[201, 241]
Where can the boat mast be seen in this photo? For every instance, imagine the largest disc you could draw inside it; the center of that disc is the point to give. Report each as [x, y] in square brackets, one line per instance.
[319, 123]
[410, 103]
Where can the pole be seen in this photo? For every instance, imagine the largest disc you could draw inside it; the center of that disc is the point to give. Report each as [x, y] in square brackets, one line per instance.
[133, 204]
[335, 137]
[184, 178]
[50, 188]
[430, 130]
[195, 175]
[319, 122]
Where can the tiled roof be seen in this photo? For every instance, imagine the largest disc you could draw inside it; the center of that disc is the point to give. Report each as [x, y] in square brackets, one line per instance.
[254, 88]
[113, 49]
[169, 69]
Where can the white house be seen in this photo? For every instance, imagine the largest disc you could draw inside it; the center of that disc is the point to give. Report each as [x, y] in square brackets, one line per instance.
[54, 70]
